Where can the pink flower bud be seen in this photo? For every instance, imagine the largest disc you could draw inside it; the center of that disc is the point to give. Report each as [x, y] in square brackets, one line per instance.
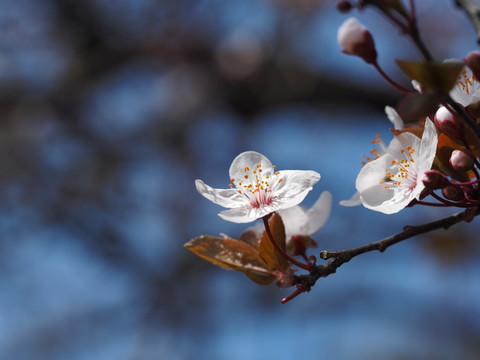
[434, 179]
[453, 193]
[449, 123]
[473, 62]
[462, 159]
[355, 39]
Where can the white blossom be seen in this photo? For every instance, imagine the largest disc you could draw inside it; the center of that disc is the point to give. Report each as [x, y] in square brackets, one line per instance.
[257, 189]
[467, 89]
[398, 124]
[391, 182]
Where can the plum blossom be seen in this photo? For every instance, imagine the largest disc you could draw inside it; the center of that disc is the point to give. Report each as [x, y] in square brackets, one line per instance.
[398, 124]
[467, 89]
[391, 182]
[257, 189]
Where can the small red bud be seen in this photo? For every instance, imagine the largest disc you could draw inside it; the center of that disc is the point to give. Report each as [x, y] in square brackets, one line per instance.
[462, 160]
[453, 193]
[344, 6]
[449, 123]
[284, 279]
[434, 179]
[355, 39]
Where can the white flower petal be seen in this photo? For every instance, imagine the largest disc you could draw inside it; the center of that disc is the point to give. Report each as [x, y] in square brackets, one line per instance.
[385, 200]
[319, 213]
[372, 173]
[245, 214]
[224, 197]
[249, 159]
[300, 221]
[416, 85]
[237, 215]
[295, 182]
[428, 145]
[295, 221]
[394, 118]
[353, 201]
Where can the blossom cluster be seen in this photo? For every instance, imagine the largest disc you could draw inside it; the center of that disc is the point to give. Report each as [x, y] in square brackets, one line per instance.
[438, 152]
[431, 160]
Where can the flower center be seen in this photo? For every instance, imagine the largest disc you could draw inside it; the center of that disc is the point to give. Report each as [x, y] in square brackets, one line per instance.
[257, 185]
[468, 82]
[405, 174]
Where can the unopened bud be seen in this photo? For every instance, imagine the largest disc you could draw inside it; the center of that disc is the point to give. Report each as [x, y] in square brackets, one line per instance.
[434, 179]
[285, 279]
[453, 193]
[449, 123]
[355, 39]
[298, 244]
[344, 6]
[462, 159]
[473, 62]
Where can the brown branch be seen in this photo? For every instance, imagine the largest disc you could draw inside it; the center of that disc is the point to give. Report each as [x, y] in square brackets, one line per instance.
[340, 257]
[473, 12]
[460, 110]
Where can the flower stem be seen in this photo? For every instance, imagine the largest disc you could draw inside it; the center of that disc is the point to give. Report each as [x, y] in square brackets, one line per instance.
[300, 289]
[389, 80]
[467, 183]
[472, 201]
[444, 201]
[279, 249]
[421, 202]
[475, 161]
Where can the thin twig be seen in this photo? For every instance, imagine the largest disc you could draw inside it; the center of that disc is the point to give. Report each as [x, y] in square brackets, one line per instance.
[415, 34]
[338, 258]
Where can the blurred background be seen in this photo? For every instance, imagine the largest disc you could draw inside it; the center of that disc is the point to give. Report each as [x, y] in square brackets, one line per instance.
[109, 110]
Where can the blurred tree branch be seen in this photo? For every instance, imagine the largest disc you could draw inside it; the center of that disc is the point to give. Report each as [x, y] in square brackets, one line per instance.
[473, 12]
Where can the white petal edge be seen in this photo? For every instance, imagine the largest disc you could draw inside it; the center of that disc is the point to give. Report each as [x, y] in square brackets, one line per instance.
[228, 198]
[319, 212]
[353, 201]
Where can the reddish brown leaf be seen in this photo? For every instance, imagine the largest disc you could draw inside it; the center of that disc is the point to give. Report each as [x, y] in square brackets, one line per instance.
[232, 254]
[439, 77]
[251, 237]
[415, 107]
[272, 257]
